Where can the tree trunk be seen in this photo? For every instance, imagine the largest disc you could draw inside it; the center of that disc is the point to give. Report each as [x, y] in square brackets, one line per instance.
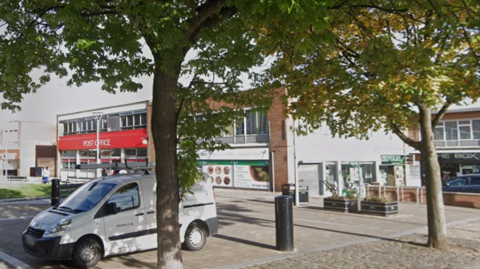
[437, 229]
[164, 132]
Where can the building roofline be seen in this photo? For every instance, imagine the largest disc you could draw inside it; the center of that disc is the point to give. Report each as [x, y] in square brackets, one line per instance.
[103, 108]
[460, 110]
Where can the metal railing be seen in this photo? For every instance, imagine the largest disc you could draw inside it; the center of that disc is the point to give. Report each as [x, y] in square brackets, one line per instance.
[399, 192]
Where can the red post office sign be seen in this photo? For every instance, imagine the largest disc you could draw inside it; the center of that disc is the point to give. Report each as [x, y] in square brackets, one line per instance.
[107, 140]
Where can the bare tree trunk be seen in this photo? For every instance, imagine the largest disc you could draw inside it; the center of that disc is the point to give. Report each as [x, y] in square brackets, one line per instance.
[164, 131]
[437, 228]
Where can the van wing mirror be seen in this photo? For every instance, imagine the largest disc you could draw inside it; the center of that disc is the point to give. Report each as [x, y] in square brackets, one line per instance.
[112, 208]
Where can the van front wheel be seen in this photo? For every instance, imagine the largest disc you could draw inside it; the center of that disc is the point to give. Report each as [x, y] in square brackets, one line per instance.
[86, 253]
[195, 237]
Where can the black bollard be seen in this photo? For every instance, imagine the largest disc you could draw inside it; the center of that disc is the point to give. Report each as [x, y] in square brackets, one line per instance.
[55, 191]
[284, 222]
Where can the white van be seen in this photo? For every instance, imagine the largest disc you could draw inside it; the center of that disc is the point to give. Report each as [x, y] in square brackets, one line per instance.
[115, 215]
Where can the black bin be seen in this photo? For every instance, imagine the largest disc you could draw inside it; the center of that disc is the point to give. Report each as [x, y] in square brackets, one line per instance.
[289, 190]
[303, 195]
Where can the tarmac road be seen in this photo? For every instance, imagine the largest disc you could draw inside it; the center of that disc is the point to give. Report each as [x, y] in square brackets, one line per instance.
[323, 239]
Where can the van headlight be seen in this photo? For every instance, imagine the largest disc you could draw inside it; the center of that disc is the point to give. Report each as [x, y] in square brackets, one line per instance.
[63, 225]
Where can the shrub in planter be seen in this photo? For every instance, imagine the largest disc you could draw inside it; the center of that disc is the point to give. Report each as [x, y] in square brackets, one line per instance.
[339, 203]
[347, 202]
[379, 206]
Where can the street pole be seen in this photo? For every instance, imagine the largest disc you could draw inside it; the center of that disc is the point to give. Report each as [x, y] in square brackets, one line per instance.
[3, 164]
[98, 117]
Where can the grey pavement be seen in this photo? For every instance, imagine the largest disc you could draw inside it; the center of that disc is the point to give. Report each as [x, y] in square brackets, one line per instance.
[323, 239]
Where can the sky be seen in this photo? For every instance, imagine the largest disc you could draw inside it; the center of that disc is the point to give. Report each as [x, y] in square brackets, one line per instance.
[57, 98]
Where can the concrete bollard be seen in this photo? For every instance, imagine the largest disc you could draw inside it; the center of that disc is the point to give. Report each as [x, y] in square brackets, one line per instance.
[284, 223]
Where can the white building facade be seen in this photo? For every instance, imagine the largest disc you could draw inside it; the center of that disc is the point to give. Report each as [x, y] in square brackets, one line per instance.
[26, 145]
[382, 160]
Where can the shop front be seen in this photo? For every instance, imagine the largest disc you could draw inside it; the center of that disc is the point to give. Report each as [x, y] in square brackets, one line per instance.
[319, 177]
[460, 163]
[356, 174]
[120, 146]
[392, 170]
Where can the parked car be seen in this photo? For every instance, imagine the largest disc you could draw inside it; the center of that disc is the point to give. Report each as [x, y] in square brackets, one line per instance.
[463, 183]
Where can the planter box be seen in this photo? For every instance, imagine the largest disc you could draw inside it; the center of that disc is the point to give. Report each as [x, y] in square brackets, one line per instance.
[340, 205]
[379, 209]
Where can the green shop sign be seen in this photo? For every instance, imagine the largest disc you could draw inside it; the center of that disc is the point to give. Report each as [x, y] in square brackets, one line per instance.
[393, 159]
[215, 162]
[255, 163]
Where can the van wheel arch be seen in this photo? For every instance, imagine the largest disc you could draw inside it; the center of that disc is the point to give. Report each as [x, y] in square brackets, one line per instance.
[98, 239]
[196, 235]
[203, 224]
[91, 242]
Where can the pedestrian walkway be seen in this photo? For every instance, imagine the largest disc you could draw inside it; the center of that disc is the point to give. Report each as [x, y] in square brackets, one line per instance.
[323, 239]
[397, 253]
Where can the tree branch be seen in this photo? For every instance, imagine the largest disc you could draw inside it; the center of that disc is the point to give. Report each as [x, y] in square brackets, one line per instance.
[202, 13]
[407, 140]
[210, 22]
[440, 113]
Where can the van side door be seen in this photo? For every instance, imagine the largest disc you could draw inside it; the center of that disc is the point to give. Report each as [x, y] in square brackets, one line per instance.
[123, 229]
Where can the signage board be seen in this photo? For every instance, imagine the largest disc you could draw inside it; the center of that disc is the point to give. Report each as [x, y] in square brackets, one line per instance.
[393, 159]
[239, 174]
[459, 157]
[120, 139]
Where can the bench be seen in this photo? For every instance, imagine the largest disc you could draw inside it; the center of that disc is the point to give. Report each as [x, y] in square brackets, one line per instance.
[15, 178]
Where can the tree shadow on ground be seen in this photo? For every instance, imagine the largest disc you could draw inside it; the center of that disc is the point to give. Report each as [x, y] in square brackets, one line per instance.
[244, 241]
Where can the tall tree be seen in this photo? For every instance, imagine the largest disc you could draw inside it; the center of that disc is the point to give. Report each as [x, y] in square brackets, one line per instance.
[103, 41]
[387, 63]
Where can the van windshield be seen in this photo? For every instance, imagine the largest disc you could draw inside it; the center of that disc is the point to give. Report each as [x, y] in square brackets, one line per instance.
[86, 197]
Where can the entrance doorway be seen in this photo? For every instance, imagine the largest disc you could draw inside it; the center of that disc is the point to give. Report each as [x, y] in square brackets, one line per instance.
[310, 175]
[315, 176]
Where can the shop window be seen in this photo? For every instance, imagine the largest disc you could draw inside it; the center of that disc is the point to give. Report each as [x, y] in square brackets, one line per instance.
[239, 127]
[70, 127]
[359, 173]
[133, 120]
[257, 122]
[69, 164]
[476, 129]
[115, 153]
[68, 153]
[464, 129]
[439, 133]
[88, 153]
[105, 153]
[130, 152]
[465, 132]
[451, 130]
[142, 152]
[84, 153]
[136, 152]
